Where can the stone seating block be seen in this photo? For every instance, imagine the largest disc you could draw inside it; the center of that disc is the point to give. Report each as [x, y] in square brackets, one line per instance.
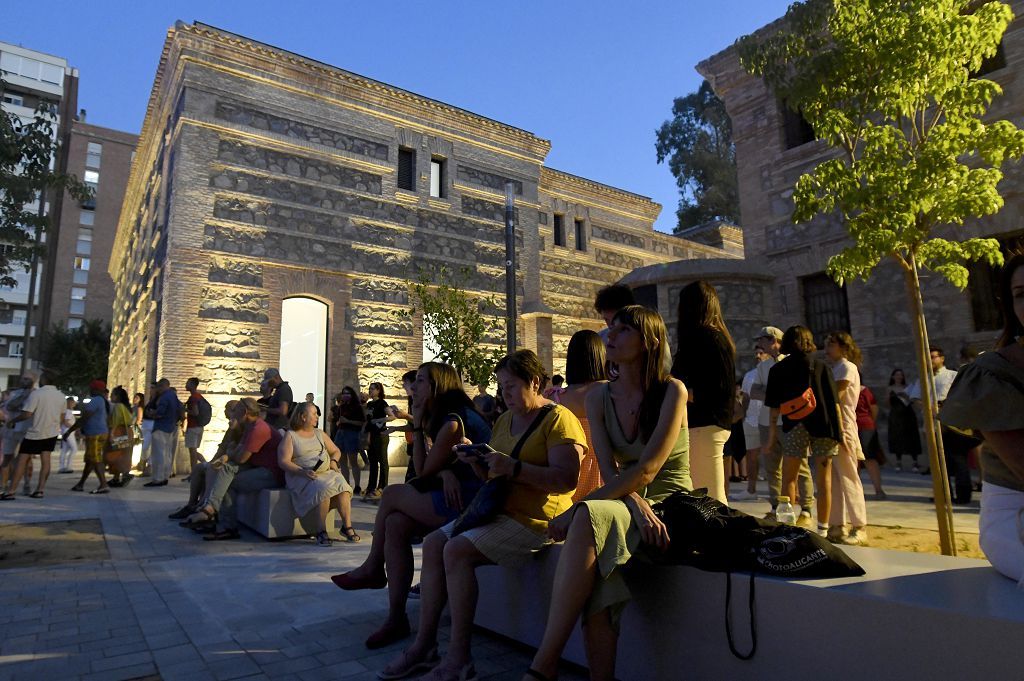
[270, 513]
[912, 616]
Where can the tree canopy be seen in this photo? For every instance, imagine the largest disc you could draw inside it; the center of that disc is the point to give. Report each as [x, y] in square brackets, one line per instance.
[697, 142]
[77, 356]
[888, 84]
[456, 327]
[28, 150]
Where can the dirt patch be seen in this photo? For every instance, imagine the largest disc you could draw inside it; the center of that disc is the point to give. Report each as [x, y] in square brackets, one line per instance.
[52, 543]
[920, 541]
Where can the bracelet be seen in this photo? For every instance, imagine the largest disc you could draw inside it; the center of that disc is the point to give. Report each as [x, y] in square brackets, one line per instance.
[517, 469]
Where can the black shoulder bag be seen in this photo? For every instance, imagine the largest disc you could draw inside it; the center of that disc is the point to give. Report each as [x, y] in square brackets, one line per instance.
[488, 502]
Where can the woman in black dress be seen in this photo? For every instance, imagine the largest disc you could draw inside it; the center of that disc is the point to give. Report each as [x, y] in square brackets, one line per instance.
[377, 416]
[903, 434]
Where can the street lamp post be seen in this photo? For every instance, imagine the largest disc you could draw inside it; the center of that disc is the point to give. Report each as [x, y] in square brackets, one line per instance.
[510, 266]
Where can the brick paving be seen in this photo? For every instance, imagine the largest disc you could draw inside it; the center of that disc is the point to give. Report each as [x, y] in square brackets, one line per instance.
[169, 606]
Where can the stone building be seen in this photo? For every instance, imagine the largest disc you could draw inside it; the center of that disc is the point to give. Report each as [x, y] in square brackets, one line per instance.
[774, 146]
[279, 208]
[78, 285]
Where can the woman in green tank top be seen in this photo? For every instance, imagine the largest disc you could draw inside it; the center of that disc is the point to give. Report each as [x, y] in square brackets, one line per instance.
[638, 425]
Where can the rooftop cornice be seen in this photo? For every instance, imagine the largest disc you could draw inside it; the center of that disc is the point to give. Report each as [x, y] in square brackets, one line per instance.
[589, 189]
[392, 96]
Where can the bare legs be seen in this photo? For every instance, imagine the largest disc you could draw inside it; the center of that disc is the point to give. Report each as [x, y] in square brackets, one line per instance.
[574, 582]
[822, 480]
[90, 467]
[22, 464]
[350, 469]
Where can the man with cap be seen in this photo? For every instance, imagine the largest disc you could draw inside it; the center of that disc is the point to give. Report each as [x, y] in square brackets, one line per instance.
[165, 433]
[279, 405]
[768, 340]
[44, 410]
[14, 432]
[92, 421]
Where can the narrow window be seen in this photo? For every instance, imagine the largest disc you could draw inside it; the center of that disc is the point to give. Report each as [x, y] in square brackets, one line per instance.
[581, 242]
[407, 169]
[74, 323]
[86, 217]
[825, 306]
[559, 230]
[437, 178]
[84, 244]
[93, 154]
[795, 128]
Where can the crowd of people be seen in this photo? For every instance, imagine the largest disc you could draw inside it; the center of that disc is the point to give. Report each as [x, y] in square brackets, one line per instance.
[582, 462]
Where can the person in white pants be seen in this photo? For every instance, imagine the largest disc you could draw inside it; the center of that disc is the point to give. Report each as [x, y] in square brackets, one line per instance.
[69, 447]
[165, 433]
[848, 504]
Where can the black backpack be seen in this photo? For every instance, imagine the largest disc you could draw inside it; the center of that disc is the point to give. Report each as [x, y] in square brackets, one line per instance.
[205, 412]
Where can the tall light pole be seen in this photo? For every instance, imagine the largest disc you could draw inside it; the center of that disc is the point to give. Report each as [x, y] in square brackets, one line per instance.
[510, 266]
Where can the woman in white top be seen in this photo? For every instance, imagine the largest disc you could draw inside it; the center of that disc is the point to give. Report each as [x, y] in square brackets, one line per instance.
[848, 504]
[309, 460]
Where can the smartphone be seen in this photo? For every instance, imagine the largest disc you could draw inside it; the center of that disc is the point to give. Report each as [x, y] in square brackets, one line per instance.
[319, 463]
[477, 450]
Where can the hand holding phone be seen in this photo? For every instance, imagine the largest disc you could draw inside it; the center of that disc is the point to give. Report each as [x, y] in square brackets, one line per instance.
[479, 451]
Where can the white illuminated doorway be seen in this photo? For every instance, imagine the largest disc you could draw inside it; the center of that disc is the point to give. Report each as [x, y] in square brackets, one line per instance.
[304, 350]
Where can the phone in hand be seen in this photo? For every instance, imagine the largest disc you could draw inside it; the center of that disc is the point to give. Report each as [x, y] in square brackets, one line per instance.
[477, 450]
[317, 465]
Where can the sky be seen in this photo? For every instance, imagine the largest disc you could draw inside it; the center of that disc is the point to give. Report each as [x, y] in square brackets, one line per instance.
[595, 77]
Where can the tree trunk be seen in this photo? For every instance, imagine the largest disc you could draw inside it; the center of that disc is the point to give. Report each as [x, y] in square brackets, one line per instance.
[936, 458]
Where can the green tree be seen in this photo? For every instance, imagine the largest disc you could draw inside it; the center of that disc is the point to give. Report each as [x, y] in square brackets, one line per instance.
[697, 142]
[28, 150]
[457, 326]
[888, 85]
[77, 356]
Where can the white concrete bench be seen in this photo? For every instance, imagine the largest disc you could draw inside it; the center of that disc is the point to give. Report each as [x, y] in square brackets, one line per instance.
[270, 513]
[912, 616]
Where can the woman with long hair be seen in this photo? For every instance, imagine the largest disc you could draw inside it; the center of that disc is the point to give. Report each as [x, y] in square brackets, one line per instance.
[848, 505]
[805, 431]
[443, 414]
[988, 396]
[351, 419]
[549, 442]
[638, 423]
[705, 362]
[585, 370]
[904, 436]
[310, 463]
[118, 456]
[378, 414]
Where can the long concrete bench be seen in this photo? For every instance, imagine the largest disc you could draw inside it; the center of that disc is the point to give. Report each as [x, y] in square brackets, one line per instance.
[270, 513]
[912, 616]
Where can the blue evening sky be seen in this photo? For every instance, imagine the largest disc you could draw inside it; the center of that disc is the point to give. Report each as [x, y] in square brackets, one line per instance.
[596, 77]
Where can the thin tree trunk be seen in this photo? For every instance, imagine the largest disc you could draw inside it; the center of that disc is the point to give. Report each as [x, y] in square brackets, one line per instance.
[936, 458]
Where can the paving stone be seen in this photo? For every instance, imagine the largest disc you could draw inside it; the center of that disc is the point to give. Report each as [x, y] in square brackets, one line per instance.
[166, 639]
[275, 669]
[119, 661]
[122, 674]
[177, 654]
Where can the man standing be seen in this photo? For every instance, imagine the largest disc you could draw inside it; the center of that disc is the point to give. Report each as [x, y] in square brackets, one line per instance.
[955, 445]
[608, 301]
[197, 415]
[279, 404]
[92, 421]
[14, 431]
[165, 433]
[309, 398]
[44, 410]
[768, 342]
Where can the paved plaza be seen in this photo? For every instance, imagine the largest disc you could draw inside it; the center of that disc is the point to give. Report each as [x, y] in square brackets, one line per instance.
[167, 605]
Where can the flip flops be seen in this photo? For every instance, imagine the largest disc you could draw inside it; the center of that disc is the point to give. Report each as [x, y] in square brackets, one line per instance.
[36, 495]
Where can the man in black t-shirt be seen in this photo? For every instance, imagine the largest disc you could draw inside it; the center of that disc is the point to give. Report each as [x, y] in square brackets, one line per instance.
[279, 405]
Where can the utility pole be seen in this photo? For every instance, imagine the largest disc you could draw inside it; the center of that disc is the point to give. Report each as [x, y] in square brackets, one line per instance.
[510, 266]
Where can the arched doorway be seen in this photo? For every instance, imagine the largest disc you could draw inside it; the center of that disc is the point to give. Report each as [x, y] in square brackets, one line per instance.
[304, 349]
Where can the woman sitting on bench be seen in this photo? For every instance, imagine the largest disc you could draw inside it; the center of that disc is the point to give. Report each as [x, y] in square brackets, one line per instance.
[310, 461]
[638, 426]
[549, 442]
[440, 410]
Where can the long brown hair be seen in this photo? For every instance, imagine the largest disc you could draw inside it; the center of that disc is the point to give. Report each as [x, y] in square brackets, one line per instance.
[447, 395]
[699, 308]
[654, 369]
[1012, 327]
[584, 358]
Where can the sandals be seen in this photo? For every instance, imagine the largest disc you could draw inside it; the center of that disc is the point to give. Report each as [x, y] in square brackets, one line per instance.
[38, 494]
[406, 666]
[7, 496]
[350, 534]
[101, 490]
[465, 673]
[322, 539]
[222, 535]
[77, 488]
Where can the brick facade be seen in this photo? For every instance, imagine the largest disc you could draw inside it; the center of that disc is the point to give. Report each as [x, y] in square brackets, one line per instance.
[262, 175]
